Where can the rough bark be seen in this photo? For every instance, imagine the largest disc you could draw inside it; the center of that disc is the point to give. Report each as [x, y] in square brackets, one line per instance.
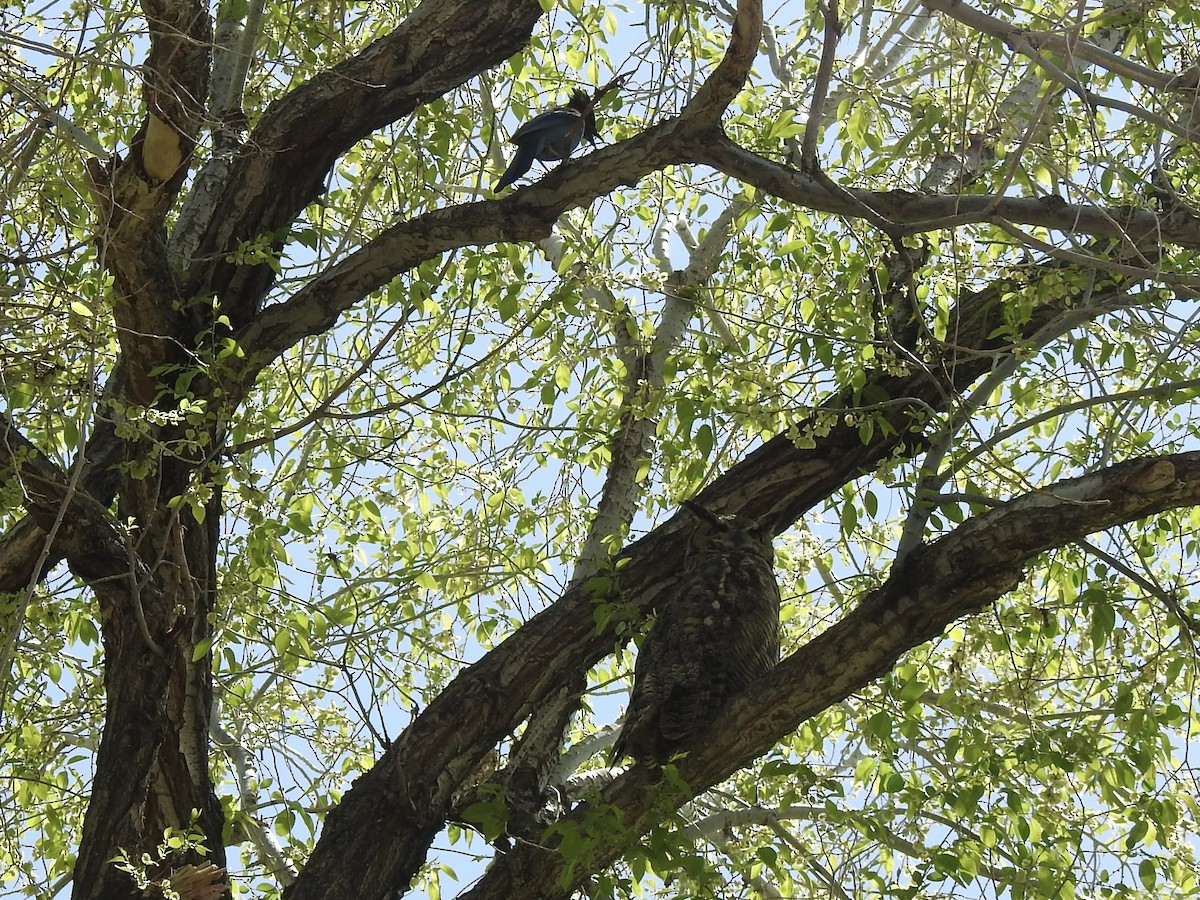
[152, 765]
[412, 786]
[22, 546]
[284, 164]
[155, 582]
[957, 575]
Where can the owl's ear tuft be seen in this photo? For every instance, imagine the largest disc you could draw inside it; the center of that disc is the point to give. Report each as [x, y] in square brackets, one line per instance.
[702, 513]
[765, 527]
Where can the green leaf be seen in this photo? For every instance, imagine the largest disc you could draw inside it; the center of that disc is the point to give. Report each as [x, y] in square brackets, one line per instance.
[201, 649]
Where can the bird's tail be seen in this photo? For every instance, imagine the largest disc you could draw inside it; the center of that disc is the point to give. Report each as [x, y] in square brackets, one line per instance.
[520, 164]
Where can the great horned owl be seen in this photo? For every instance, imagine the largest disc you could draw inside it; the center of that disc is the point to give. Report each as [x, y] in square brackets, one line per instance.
[717, 634]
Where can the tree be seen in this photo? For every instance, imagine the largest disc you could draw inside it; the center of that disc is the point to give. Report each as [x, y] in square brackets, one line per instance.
[337, 489]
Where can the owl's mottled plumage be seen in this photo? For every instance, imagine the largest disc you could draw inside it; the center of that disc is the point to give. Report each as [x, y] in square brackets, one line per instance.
[718, 633]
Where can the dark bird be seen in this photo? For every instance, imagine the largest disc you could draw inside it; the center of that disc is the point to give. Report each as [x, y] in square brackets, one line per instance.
[718, 633]
[554, 134]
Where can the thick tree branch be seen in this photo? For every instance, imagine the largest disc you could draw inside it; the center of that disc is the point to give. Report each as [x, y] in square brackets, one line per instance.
[135, 673]
[133, 195]
[22, 545]
[920, 213]
[528, 214]
[413, 784]
[285, 162]
[731, 73]
[176, 87]
[86, 532]
[957, 575]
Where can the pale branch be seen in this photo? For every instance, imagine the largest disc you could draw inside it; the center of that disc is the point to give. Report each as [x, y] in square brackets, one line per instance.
[232, 57]
[816, 109]
[198, 207]
[876, 70]
[780, 68]
[957, 575]
[633, 446]
[616, 318]
[533, 760]
[1029, 43]
[871, 67]
[704, 258]
[579, 753]
[829, 580]
[233, 53]
[245, 775]
[660, 243]
[632, 442]
[1002, 711]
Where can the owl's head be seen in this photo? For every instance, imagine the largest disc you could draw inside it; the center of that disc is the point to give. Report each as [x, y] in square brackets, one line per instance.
[729, 534]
